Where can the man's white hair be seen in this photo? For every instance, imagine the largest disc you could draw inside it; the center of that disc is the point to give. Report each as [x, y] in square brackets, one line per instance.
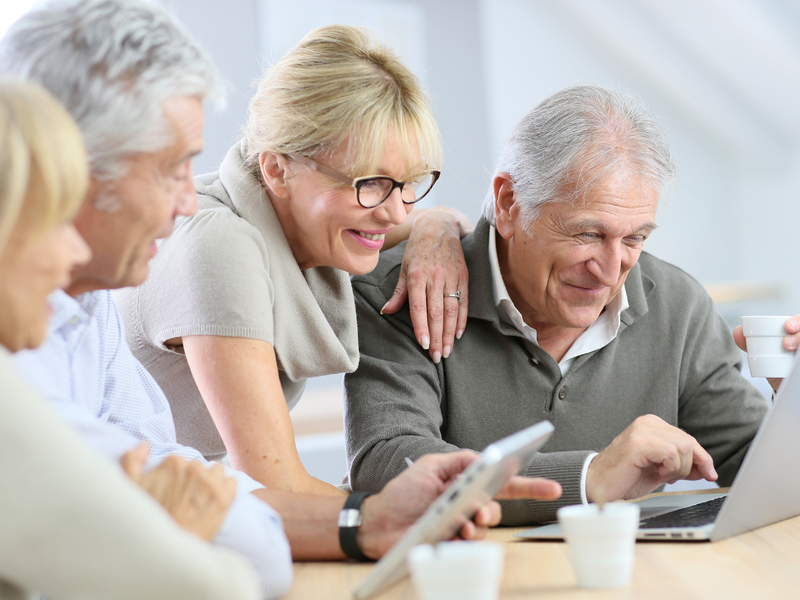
[111, 63]
[579, 138]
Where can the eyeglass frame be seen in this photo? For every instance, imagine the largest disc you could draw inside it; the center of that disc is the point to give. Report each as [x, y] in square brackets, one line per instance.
[357, 182]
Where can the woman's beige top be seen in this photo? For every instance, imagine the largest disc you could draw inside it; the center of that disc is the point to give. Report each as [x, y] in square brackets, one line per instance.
[229, 271]
[73, 526]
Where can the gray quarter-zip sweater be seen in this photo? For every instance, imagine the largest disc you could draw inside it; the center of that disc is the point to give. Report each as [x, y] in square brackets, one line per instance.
[673, 357]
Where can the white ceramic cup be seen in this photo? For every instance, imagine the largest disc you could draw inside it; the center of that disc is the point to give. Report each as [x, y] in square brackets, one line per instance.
[766, 355]
[601, 543]
[457, 570]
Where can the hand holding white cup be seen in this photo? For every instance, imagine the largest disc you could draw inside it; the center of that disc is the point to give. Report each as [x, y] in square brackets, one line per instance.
[601, 542]
[766, 355]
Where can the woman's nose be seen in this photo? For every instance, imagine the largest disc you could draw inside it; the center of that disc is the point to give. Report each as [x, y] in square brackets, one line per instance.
[394, 209]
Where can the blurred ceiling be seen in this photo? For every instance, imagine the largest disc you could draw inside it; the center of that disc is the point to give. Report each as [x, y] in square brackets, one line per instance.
[732, 66]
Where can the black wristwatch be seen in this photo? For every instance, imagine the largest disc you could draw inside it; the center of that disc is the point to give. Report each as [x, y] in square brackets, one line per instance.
[349, 520]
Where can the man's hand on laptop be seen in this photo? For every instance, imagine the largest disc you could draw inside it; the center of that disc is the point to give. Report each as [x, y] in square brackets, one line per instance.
[389, 514]
[649, 453]
[791, 341]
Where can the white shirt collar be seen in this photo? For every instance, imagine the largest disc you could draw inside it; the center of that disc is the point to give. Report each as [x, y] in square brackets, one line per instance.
[599, 334]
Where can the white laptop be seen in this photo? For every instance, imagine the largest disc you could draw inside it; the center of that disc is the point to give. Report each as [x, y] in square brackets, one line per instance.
[477, 484]
[766, 489]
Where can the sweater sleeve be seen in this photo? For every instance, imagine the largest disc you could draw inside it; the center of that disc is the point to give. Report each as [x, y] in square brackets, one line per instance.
[716, 404]
[74, 527]
[393, 401]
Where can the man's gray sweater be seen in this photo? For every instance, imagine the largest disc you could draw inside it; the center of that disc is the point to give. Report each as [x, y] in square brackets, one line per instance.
[673, 357]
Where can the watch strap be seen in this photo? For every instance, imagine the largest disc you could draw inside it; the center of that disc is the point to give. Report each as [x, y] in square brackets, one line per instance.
[350, 519]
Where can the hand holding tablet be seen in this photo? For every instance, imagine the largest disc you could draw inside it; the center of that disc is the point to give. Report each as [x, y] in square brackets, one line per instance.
[471, 489]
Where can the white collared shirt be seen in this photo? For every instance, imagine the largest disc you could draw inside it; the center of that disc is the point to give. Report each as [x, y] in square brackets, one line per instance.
[87, 372]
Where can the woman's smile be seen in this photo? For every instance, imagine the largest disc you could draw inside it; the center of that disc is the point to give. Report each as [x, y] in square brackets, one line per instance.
[371, 240]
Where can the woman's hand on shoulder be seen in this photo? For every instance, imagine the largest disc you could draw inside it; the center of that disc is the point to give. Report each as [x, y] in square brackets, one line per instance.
[434, 279]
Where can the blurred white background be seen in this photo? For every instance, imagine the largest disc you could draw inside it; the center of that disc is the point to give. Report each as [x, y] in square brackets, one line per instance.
[722, 77]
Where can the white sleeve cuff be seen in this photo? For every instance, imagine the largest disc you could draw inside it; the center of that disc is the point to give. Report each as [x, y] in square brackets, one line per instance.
[255, 531]
[585, 470]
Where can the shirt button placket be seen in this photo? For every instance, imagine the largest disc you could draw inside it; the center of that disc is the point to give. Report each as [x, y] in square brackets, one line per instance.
[561, 393]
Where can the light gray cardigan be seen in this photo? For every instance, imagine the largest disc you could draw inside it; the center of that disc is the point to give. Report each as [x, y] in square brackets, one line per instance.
[229, 271]
[674, 357]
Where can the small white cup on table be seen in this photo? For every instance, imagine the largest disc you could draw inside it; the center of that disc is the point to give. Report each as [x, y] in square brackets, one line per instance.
[766, 355]
[601, 542]
[457, 570]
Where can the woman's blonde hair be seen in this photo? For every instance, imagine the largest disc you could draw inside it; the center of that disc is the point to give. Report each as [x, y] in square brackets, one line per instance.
[339, 84]
[43, 168]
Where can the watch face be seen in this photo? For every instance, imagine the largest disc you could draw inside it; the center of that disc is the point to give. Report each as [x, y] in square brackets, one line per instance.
[350, 517]
[349, 520]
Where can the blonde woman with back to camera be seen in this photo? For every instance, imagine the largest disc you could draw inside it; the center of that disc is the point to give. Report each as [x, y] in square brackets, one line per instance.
[73, 525]
[250, 297]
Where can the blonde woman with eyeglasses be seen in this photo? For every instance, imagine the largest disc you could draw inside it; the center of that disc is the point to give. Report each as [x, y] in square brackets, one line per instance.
[251, 297]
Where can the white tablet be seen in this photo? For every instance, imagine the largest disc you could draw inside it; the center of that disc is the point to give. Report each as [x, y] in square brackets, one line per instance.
[473, 488]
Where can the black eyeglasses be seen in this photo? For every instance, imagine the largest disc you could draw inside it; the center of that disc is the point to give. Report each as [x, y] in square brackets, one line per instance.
[374, 189]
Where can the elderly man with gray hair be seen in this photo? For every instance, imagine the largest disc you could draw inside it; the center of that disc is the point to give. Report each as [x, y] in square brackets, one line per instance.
[569, 320]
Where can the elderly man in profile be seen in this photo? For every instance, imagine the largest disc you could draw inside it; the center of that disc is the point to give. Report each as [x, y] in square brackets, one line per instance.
[135, 82]
[570, 321]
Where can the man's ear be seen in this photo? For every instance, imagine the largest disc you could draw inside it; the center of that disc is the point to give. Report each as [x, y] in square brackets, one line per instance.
[506, 209]
[273, 172]
[101, 196]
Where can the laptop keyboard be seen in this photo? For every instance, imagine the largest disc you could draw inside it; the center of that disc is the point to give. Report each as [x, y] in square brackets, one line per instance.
[691, 516]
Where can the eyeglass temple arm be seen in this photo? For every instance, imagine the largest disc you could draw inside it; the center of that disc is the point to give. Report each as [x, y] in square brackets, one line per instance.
[321, 168]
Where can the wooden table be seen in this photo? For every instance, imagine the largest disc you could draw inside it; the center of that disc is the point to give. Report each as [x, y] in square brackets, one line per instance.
[762, 564]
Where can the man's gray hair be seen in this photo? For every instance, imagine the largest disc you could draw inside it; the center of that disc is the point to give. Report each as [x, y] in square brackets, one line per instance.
[577, 139]
[112, 63]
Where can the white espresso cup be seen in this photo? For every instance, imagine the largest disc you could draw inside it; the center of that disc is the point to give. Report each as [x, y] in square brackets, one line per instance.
[457, 570]
[601, 542]
[766, 355]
